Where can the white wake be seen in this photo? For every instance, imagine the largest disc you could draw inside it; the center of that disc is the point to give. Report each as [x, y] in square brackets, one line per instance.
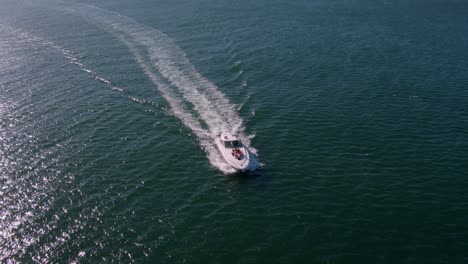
[197, 102]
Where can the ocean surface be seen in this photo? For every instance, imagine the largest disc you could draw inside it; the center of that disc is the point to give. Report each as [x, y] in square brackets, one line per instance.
[357, 110]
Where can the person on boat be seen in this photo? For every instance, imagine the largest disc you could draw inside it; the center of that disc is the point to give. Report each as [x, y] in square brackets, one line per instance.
[238, 154]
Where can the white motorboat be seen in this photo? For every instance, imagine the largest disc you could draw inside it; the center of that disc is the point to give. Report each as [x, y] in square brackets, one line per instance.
[233, 151]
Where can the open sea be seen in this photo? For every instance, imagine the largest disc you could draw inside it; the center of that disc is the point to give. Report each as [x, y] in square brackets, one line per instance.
[357, 110]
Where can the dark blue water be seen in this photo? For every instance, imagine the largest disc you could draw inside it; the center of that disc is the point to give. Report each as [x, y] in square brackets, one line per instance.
[357, 111]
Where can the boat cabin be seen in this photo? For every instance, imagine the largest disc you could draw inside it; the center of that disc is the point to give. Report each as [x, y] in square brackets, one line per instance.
[230, 141]
[232, 144]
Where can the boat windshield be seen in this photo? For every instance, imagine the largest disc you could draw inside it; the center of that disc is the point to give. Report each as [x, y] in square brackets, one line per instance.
[232, 144]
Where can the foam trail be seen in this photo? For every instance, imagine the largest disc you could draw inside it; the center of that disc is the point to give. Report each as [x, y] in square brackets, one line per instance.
[197, 102]
[177, 107]
[179, 110]
[57, 48]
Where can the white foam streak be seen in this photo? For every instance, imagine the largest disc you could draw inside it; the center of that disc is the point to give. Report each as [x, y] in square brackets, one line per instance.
[192, 98]
[22, 34]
